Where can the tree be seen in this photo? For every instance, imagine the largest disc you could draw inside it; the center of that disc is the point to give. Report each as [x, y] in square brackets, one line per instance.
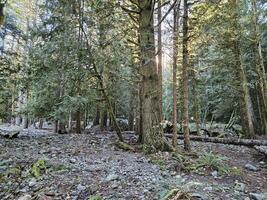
[152, 131]
[185, 78]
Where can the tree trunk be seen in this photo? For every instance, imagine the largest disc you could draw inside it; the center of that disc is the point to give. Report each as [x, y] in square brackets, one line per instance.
[152, 130]
[56, 126]
[246, 111]
[131, 111]
[185, 79]
[97, 116]
[174, 75]
[78, 121]
[195, 100]
[160, 61]
[260, 68]
[233, 141]
[104, 118]
[140, 127]
[40, 125]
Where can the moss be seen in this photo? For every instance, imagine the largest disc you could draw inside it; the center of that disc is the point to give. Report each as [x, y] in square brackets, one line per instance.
[160, 163]
[38, 168]
[170, 194]
[236, 171]
[61, 168]
[97, 197]
[124, 146]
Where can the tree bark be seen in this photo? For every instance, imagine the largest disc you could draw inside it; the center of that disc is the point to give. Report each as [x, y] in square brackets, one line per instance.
[185, 79]
[174, 75]
[131, 111]
[104, 118]
[97, 116]
[40, 125]
[78, 121]
[160, 61]
[233, 141]
[260, 68]
[195, 100]
[246, 111]
[152, 130]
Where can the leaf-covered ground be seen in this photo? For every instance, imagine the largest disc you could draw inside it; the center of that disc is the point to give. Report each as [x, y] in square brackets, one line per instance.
[84, 166]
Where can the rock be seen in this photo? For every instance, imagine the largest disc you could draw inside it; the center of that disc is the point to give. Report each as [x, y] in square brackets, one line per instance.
[72, 160]
[25, 197]
[214, 174]
[24, 190]
[81, 188]
[146, 191]
[112, 177]
[45, 198]
[114, 185]
[32, 182]
[198, 196]
[240, 186]
[251, 167]
[208, 188]
[258, 196]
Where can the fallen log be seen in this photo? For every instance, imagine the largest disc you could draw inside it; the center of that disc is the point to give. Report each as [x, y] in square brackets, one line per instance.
[233, 141]
[9, 132]
[261, 149]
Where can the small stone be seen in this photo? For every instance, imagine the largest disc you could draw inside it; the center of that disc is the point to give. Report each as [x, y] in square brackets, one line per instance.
[73, 160]
[45, 198]
[214, 174]
[261, 162]
[198, 196]
[208, 188]
[25, 197]
[24, 190]
[173, 173]
[32, 182]
[258, 196]
[81, 188]
[114, 185]
[251, 167]
[112, 177]
[240, 186]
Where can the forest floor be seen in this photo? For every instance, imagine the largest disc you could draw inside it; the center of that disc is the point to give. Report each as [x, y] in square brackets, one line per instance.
[79, 166]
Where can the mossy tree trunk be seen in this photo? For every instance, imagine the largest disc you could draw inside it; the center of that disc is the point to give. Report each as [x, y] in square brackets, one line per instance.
[245, 105]
[185, 78]
[260, 68]
[174, 75]
[152, 131]
[160, 61]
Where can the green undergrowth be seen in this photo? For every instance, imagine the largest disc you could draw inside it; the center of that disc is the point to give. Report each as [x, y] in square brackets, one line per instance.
[43, 166]
[97, 197]
[201, 163]
[39, 167]
[205, 163]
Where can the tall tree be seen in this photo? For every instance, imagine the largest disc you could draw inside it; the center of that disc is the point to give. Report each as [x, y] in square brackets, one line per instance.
[245, 104]
[152, 131]
[174, 73]
[185, 78]
[260, 68]
[160, 58]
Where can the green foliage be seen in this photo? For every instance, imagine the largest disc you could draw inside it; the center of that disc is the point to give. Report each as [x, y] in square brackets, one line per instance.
[211, 161]
[38, 168]
[95, 198]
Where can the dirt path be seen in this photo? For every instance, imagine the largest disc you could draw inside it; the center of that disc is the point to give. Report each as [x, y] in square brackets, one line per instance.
[80, 166]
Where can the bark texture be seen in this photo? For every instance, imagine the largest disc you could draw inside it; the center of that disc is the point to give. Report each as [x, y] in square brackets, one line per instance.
[185, 79]
[152, 131]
